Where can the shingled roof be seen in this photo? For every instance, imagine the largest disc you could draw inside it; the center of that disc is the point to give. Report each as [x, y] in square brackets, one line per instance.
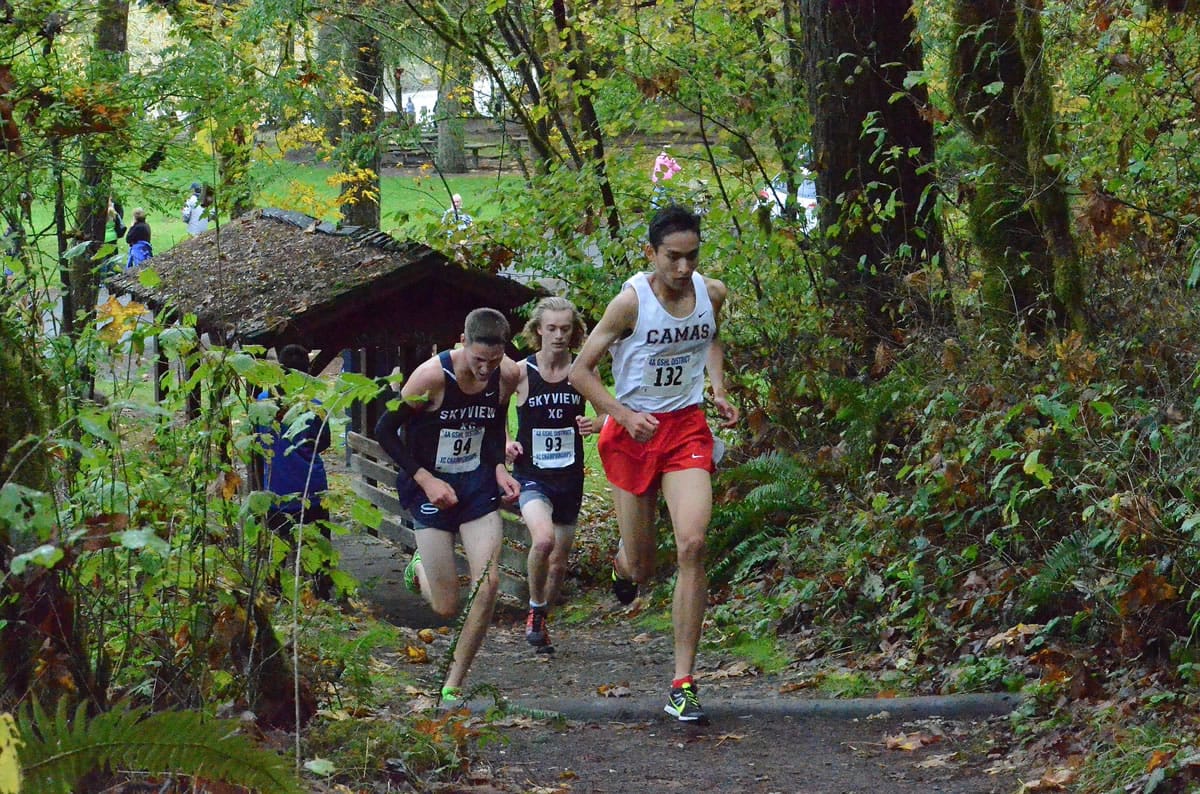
[273, 277]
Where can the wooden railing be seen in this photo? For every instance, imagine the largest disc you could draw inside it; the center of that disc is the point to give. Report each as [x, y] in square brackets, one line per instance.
[374, 479]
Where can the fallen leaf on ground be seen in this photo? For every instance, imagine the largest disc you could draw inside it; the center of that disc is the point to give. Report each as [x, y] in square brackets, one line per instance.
[426, 635]
[909, 741]
[735, 670]
[937, 761]
[618, 691]
[1018, 632]
[1158, 758]
[645, 636]
[422, 703]
[416, 655]
[1053, 780]
[795, 686]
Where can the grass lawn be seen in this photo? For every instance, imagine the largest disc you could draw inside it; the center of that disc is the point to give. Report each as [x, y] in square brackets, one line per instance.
[301, 187]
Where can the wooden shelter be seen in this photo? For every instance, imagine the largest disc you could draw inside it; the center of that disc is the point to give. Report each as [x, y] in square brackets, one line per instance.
[273, 277]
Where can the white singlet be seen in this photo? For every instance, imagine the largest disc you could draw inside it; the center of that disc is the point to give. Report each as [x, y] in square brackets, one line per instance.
[660, 366]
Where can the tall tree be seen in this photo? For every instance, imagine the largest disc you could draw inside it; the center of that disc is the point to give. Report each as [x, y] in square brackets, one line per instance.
[1018, 214]
[360, 147]
[873, 149]
[456, 100]
[107, 65]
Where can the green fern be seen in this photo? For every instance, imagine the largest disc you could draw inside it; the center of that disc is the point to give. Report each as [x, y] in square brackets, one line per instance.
[59, 751]
[750, 555]
[1061, 564]
[781, 487]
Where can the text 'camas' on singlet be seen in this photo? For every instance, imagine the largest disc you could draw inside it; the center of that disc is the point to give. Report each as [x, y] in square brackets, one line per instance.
[660, 366]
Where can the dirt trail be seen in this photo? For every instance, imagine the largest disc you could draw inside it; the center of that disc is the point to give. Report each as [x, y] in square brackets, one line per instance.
[609, 675]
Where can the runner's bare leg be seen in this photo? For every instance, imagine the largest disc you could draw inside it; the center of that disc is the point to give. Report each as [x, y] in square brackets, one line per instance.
[564, 536]
[635, 517]
[537, 516]
[689, 500]
[481, 544]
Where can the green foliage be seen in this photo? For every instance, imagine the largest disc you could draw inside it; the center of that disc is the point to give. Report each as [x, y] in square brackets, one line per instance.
[24, 415]
[431, 747]
[774, 490]
[59, 751]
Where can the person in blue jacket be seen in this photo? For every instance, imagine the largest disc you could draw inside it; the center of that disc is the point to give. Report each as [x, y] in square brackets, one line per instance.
[138, 239]
[292, 469]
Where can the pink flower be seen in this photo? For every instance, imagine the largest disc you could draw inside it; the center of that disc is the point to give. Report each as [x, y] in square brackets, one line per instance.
[665, 165]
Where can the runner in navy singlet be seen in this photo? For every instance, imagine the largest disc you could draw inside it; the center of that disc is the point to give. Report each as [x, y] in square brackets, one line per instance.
[547, 454]
[453, 476]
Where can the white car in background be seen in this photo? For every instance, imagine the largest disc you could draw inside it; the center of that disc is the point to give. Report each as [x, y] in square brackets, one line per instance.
[775, 196]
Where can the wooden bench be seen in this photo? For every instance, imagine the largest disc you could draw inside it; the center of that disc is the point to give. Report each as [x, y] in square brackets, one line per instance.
[374, 479]
[474, 149]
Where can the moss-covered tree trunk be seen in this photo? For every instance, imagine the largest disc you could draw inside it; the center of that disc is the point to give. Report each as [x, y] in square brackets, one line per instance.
[591, 153]
[873, 155]
[24, 461]
[456, 100]
[1018, 214]
[361, 159]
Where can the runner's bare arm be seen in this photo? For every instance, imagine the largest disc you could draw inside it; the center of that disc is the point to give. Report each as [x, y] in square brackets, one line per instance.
[620, 318]
[715, 362]
[590, 424]
[510, 380]
[512, 447]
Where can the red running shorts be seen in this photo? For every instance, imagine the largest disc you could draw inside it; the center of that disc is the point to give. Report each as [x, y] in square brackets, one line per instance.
[682, 441]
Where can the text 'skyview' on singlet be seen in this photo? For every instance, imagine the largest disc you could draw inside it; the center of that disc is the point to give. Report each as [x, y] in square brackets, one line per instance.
[449, 440]
[547, 431]
[660, 366]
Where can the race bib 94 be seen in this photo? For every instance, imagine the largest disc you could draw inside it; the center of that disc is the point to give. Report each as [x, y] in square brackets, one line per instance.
[458, 451]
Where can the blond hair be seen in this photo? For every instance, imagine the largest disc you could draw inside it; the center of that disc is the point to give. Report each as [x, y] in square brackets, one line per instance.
[553, 304]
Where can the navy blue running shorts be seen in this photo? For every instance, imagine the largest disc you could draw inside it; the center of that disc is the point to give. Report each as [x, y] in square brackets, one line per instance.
[477, 491]
[565, 497]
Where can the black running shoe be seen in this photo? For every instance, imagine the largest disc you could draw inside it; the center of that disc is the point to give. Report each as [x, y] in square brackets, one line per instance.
[536, 633]
[624, 589]
[684, 706]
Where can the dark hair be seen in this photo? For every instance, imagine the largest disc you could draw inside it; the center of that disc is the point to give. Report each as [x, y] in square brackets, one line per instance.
[486, 327]
[294, 357]
[670, 219]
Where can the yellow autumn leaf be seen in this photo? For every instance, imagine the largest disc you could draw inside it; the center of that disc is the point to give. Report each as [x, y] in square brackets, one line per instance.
[116, 319]
[416, 655]
[909, 741]
[10, 765]
[426, 635]
[226, 485]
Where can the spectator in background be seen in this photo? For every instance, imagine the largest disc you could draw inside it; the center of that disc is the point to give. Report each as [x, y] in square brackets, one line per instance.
[454, 215]
[195, 210]
[139, 240]
[11, 245]
[293, 470]
[115, 229]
